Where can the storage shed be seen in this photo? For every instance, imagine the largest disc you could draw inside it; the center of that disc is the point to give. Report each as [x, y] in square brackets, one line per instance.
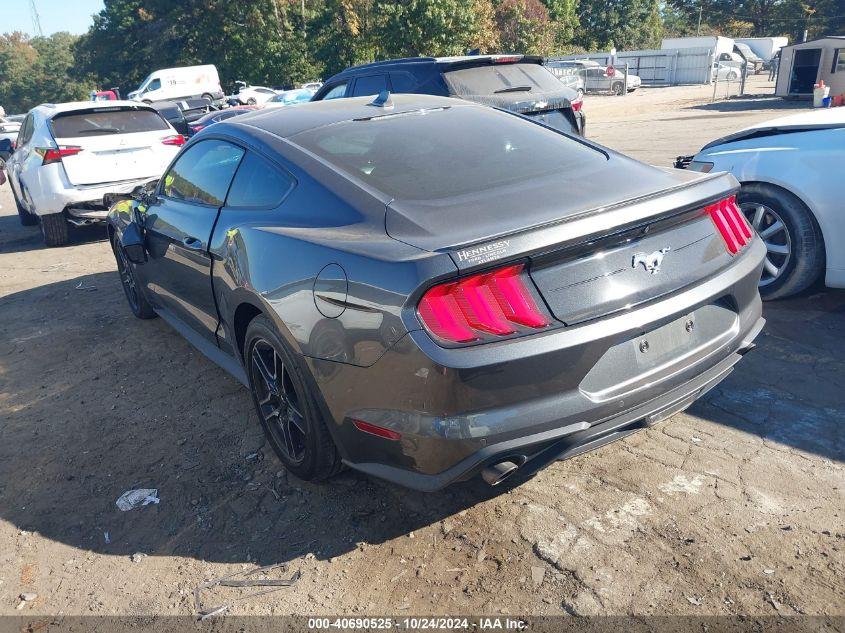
[803, 65]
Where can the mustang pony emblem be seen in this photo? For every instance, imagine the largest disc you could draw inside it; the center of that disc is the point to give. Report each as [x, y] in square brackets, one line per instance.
[652, 261]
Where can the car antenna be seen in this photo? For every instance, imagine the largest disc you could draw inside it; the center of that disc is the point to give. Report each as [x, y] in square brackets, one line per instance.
[383, 100]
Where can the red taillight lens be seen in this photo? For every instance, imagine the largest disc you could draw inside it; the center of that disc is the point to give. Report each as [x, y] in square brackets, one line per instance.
[380, 431]
[731, 223]
[578, 103]
[50, 155]
[177, 140]
[197, 128]
[491, 304]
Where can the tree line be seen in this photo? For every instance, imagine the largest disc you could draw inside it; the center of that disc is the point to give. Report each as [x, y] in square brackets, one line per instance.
[284, 42]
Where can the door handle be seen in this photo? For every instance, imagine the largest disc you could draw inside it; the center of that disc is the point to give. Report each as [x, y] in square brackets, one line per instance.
[192, 243]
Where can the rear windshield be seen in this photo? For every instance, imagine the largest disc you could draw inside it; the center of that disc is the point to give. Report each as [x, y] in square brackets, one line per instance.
[441, 153]
[501, 78]
[102, 122]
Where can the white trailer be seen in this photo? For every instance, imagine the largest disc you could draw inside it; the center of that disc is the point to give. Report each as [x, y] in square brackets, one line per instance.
[764, 47]
[715, 43]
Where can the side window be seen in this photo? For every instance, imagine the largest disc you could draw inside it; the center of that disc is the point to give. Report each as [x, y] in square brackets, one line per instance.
[402, 82]
[338, 92]
[258, 184]
[202, 174]
[839, 60]
[25, 133]
[369, 85]
[155, 84]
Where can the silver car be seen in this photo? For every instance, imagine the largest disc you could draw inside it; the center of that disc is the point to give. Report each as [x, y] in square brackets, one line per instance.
[609, 79]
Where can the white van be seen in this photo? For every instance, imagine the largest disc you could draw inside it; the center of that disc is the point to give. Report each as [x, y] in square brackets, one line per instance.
[180, 83]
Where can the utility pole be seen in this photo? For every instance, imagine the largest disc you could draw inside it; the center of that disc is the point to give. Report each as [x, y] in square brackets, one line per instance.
[700, 11]
[36, 20]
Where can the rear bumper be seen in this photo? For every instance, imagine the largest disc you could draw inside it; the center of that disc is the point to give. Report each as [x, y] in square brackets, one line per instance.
[536, 399]
[77, 200]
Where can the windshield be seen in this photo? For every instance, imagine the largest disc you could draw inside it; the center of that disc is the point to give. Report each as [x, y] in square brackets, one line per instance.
[501, 78]
[102, 122]
[441, 153]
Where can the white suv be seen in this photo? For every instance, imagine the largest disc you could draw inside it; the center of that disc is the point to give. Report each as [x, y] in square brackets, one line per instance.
[69, 155]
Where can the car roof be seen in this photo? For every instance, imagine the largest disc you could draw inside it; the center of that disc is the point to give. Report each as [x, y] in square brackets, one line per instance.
[442, 61]
[286, 122]
[52, 109]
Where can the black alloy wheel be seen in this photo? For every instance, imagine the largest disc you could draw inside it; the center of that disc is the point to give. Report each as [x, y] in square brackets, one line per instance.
[285, 404]
[277, 400]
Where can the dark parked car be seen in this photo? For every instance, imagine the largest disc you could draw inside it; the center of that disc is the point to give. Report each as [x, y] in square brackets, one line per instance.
[218, 115]
[425, 288]
[181, 114]
[518, 83]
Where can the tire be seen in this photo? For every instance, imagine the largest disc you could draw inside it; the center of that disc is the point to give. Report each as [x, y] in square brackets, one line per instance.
[251, 101]
[135, 297]
[617, 88]
[26, 218]
[289, 414]
[55, 229]
[208, 97]
[732, 76]
[785, 224]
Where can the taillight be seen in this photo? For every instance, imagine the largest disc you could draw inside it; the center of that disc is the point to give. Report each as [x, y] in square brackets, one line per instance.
[731, 223]
[506, 59]
[50, 155]
[197, 128]
[485, 306]
[177, 140]
[579, 101]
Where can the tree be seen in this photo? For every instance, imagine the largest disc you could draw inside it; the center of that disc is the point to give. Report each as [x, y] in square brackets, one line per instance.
[624, 24]
[564, 17]
[524, 27]
[38, 70]
[407, 28]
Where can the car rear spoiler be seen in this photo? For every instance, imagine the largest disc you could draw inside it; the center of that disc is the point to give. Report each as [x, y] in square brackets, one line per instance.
[589, 224]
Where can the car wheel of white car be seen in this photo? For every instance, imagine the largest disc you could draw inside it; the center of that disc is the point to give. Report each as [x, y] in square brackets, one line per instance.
[54, 228]
[732, 76]
[794, 245]
[618, 88]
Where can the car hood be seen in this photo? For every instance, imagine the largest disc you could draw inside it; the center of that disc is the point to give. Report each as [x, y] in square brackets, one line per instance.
[447, 223]
[829, 118]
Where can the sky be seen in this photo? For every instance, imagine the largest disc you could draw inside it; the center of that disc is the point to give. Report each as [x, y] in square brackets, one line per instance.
[55, 15]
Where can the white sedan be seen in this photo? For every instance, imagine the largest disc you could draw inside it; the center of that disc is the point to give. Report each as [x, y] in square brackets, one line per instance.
[792, 193]
[255, 95]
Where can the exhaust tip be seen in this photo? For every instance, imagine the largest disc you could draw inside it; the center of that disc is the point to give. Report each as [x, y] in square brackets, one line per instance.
[497, 473]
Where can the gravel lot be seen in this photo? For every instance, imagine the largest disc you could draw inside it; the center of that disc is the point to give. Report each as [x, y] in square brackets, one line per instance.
[735, 507]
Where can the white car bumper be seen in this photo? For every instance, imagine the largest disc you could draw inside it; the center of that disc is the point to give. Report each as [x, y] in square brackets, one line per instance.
[80, 201]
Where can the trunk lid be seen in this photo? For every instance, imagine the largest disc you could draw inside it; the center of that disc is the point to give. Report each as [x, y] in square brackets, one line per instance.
[448, 223]
[117, 144]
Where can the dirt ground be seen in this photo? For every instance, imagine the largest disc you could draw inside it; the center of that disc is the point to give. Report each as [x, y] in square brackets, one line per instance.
[735, 507]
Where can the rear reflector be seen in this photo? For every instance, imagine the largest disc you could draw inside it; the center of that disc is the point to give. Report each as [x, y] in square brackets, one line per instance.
[50, 155]
[484, 306]
[731, 223]
[177, 140]
[380, 431]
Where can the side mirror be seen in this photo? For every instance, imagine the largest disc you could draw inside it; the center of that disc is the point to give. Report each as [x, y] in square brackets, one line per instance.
[6, 146]
[132, 242]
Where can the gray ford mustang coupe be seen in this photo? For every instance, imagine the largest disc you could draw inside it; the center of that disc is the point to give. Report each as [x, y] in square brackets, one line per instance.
[426, 289]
